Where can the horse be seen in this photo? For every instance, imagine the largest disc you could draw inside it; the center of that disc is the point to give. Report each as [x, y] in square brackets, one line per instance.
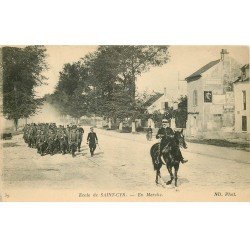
[169, 156]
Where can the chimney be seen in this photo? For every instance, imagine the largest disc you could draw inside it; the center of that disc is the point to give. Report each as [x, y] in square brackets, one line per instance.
[165, 92]
[223, 53]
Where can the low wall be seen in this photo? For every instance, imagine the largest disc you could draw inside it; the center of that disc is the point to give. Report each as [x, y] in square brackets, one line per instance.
[221, 135]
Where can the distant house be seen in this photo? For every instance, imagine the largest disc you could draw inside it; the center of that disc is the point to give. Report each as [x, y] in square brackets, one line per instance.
[159, 102]
[211, 99]
[242, 97]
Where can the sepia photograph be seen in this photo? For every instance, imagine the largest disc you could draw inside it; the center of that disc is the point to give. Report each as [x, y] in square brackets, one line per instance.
[124, 123]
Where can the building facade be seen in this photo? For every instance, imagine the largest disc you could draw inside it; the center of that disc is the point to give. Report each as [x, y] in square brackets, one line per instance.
[211, 99]
[242, 107]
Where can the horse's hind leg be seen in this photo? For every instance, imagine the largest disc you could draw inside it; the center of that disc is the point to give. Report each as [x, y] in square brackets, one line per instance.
[171, 175]
[156, 178]
[158, 174]
[176, 168]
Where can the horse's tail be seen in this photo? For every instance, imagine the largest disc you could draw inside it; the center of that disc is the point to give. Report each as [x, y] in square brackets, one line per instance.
[153, 155]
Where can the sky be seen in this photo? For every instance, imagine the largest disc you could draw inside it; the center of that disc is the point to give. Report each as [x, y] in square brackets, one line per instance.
[184, 60]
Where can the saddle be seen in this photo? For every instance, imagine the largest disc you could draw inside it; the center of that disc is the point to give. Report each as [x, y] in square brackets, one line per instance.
[170, 150]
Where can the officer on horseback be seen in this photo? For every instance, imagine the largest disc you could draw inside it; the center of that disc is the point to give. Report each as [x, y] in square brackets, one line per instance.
[166, 134]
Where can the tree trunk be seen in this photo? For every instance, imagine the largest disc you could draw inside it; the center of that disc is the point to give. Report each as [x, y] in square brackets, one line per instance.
[16, 123]
[115, 122]
[133, 127]
[132, 89]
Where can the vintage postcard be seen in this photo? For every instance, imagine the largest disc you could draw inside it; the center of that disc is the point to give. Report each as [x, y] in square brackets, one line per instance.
[124, 123]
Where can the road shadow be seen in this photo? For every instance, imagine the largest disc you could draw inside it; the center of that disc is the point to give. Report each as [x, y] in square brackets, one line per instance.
[99, 153]
[181, 181]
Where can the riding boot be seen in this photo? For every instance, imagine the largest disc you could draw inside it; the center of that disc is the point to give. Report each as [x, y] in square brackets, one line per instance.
[182, 160]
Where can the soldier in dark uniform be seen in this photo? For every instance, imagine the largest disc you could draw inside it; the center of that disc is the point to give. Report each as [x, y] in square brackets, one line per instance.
[73, 139]
[42, 143]
[166, 134]
[25, 133]
[51, 142]
[92, 140]
[67, 132]
[38, 134]
[63, 138]
[80, 132]
[57, 140]
[80, 129]
[34, 135]
[31, 135]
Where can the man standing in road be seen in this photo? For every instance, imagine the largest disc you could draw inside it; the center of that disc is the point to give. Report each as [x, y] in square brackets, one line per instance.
[149, 133]
[92, 141]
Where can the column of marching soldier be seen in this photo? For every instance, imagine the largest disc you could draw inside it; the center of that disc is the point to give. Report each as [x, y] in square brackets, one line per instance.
[48, 138]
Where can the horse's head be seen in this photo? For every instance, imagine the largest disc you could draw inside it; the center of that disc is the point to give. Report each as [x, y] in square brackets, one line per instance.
[180, 139]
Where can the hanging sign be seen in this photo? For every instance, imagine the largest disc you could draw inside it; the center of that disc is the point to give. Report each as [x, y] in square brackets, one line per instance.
[208, 97]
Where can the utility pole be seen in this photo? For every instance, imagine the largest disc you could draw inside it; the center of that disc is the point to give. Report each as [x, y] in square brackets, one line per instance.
[180, 89]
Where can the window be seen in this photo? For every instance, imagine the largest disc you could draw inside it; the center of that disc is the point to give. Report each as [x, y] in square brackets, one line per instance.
[244, 96]
[195, 98]
[244, 123]
[166, 105]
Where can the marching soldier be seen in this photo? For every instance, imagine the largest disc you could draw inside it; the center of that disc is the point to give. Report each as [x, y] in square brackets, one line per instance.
[68, 135]
[26, 132]
[51, 142]
[47, 138]
[42, 143]
[73, 140]
[63, 138]
[80, 132]
[31, 136]
[38, 134]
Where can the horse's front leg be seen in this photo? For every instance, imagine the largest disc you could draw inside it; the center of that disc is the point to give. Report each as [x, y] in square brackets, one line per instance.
[156, 177]
[158, 174]
[171, 175]
[176, 168]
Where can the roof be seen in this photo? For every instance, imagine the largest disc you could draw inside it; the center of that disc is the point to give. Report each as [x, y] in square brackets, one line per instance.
[197, 74]
[246, 80]
[153, 99]
[246, 66]
[240, 79]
